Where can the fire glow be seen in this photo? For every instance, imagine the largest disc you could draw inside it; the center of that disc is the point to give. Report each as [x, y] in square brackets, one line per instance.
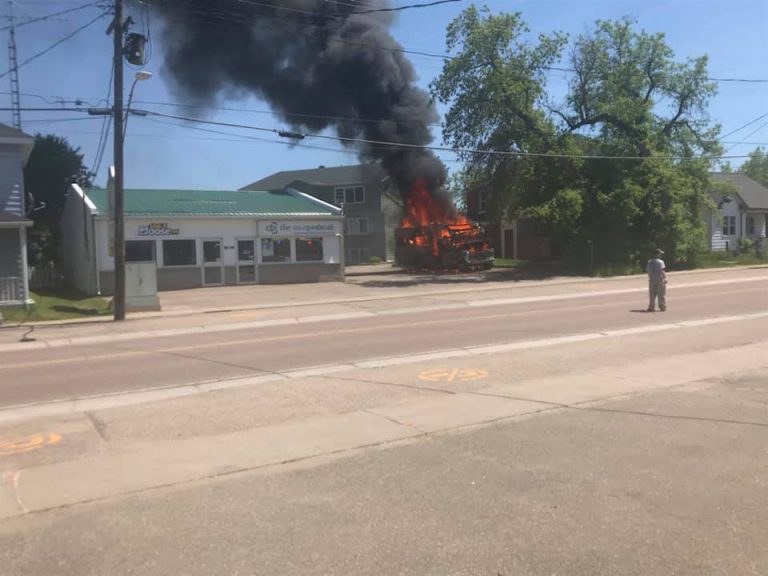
[433, 234]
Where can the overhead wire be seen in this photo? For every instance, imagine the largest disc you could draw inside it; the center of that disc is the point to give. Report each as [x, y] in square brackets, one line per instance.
[25, 22]
[106, 126]
[57, 43]
[232, 19]
[407, 145]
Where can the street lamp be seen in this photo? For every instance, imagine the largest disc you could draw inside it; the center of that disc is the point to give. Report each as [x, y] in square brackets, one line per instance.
[140, 76]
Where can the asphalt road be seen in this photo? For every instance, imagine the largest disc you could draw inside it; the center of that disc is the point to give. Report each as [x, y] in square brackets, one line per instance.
[657, 484]
[636, 454]
[75, 371]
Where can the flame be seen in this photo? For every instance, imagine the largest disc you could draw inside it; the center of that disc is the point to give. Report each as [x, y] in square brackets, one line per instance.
[435, 220]
[422, 209]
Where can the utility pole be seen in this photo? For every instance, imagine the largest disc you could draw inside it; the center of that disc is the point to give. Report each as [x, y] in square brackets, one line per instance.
[13, 61]
[118, 300]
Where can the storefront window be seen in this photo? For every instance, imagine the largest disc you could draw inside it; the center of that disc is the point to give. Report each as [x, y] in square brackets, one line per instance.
[139, 250]
[212, 251]
[179, 253]
[275, 250]
[309, 249]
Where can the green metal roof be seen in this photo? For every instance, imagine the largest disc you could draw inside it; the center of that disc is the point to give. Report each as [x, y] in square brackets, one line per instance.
[213, 203]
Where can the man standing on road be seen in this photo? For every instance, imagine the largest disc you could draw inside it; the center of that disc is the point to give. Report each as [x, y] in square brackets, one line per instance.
[657, 281]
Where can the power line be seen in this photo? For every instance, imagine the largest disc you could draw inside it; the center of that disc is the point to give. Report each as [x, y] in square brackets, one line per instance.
[740, 128]
[106, 126]
[407, 7]
[478, 152]
[53, 15]
[278, 114]
[55, 44]
[233, 20]
[763, 125]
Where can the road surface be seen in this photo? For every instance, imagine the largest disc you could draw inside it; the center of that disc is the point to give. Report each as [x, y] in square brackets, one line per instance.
[504, 432]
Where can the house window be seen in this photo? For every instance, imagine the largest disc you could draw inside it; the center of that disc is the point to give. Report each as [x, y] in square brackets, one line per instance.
[309, 249]
[481, 202]
[179, 253]
[349, 195]
[357, 226]
[751, 225]
[357, 254]
[275, 250]
[139, 250]
[729, 225]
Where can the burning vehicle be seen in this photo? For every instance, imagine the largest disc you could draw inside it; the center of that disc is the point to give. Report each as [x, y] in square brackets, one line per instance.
[436, 237]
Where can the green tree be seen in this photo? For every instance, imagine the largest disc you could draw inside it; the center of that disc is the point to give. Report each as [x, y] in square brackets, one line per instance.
[756, 167]
[52, 166]
[627, 96]
[495, 89]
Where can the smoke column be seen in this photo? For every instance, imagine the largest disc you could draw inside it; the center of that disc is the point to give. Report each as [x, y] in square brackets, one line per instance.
[314, 57]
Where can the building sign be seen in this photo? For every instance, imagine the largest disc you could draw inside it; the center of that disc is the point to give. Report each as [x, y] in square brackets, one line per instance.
[275, 228]
[157, 229]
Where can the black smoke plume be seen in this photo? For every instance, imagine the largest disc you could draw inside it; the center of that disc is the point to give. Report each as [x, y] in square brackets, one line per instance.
[325, 59]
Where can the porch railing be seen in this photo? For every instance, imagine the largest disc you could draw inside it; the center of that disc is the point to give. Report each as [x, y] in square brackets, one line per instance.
[10, 289]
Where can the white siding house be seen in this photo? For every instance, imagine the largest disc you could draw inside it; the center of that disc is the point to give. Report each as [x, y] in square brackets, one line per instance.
[740, 213]
[15, 147]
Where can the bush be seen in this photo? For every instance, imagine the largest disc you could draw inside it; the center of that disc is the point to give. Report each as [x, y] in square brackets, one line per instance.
[744, 246]
[374, 260]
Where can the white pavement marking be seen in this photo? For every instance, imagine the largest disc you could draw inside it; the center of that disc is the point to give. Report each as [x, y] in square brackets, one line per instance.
[170, 332]
[100, 402]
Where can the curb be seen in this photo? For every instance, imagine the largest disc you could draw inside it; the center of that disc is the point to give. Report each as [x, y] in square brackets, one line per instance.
[555, 280]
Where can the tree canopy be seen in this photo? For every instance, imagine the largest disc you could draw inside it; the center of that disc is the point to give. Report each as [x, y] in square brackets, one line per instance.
[756, 167]
[627, 96]
[52, 166]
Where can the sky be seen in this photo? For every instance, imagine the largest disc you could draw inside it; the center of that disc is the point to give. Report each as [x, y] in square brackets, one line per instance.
[161, 153]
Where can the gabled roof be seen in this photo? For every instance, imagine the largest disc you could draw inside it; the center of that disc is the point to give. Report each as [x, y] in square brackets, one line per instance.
[752, 194]
[154, 203]
[9, 132]
[331, 176]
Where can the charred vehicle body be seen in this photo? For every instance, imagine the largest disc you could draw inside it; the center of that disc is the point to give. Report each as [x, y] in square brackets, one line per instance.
[457, 246]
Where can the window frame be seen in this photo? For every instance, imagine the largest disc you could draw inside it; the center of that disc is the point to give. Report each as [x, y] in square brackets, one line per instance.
[750, 226]
[729, 225]
[352, 226]
[312, 239]
[194, 245]
[357, 194]
[291, 250]
[482, 203]
[152, 243]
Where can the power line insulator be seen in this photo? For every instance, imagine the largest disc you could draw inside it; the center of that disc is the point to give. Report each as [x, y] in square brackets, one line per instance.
[134, 48]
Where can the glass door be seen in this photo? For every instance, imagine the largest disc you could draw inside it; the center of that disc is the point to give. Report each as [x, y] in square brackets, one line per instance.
[246, 261]
[213, 271]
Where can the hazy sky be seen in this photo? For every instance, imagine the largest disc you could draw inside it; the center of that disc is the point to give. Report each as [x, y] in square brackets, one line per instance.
[173, 155]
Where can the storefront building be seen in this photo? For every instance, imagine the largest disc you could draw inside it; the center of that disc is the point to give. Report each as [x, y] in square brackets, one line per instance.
[204, 238]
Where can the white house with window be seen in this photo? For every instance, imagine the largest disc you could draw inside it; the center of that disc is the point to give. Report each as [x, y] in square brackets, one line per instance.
[371, 207]
[204, 238]
[741, 212]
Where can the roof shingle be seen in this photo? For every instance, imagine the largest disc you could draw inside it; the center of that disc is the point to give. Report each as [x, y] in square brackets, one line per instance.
[212, 203]
[753, 194]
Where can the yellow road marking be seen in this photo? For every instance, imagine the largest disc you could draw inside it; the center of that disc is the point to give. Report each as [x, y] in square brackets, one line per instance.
[451, 375]
[23, 444]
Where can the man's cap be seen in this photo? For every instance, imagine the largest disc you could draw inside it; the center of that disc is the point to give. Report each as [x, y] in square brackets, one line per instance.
[659, 251]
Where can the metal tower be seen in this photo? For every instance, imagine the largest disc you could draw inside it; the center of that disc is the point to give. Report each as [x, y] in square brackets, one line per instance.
[14, 64]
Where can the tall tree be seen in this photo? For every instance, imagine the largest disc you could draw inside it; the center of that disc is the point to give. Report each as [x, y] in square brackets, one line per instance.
[52, 166]
[627, 97]
[495, 89]
[756, 167]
